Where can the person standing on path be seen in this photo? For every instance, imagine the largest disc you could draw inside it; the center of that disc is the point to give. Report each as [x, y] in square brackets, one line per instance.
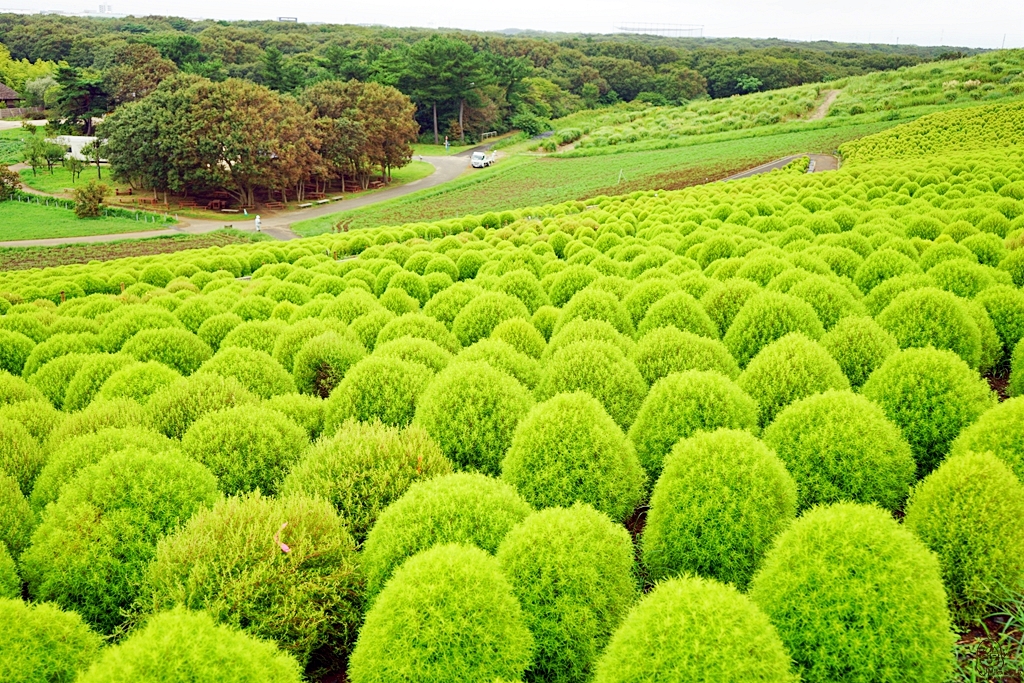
[258, 223]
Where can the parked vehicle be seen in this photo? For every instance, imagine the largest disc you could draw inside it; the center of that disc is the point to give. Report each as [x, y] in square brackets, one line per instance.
[482, 159]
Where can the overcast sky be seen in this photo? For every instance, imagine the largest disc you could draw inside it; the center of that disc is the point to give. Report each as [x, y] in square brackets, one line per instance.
[972, 23]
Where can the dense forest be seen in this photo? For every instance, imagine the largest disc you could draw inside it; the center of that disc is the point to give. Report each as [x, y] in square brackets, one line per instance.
[462, 83]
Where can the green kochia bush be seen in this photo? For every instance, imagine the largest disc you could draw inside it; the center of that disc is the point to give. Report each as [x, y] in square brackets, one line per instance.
[521, 335]
[766, 317]
[43, 643]
[859, 345]
[255, 370]
[178, 349]
[364, 468]
[416, 350]
[502, 356]
[15, 349]
[680, 405]
[20, 455]
[787, 370]
[601, 370]
[465, 508]
[10, 582]
[247, 447]
[189, 647]
[91, 376]
[593, 304]
[666, 350]
[969, 512]
[70, 456]
[999, 431]
[38, 417]
[694, 629]
[93, 545]
[572, 571]
[682, 311]
[377, 388]
[448, 614]
[54, 377]
[16, 517]
[138, 381]
[721, 499]
[305, 411]
[856, 597]
[99, 414]
[479, 317]
[841, 447]
[172, 410]
[297, 585]
[931, 317]
[471, 410]
[932, 396]
[569, 450]
[322, 362]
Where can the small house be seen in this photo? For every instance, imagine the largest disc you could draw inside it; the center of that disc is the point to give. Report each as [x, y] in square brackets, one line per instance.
[73, 144]
[9, 96]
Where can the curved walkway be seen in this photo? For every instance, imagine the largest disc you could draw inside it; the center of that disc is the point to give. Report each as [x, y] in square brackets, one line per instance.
[279, 226]
[822, 162]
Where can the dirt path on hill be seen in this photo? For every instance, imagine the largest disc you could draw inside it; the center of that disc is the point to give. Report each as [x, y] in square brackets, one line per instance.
[822, 110]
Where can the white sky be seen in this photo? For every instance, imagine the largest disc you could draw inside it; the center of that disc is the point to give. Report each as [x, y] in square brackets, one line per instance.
[971, 23]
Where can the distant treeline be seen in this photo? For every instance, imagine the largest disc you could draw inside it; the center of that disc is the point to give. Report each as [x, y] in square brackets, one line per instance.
[465, 82]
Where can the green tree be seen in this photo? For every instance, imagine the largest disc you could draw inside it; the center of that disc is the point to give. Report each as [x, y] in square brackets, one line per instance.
[138, 69]
[81, 98]
[75, 166]
[279, 73]
[89, 199]
[96, 152]
[10, 181]
[439, 70]
[748, 83]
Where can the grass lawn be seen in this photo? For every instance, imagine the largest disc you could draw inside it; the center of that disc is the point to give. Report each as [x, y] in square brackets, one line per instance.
[407, 174]
[60, 180]
[438, 150]
[20, 221]
[521, 181]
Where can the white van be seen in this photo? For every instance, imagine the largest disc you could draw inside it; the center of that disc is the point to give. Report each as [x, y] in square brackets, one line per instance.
[481, 159]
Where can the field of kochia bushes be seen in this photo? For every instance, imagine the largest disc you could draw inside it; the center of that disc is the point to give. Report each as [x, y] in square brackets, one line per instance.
[741, 432]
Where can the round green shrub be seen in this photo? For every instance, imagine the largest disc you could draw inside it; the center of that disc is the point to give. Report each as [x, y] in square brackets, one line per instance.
[15, 349]
[415, 350]
[684, 403]
[666, 350]
[475, 630]
[860, 346]
[303, 594]
[178, 349]
[932, 396]
[99, 414]
[502, 356]
[723, 301]
[479, 317]
[54, 377]
[680, 310]
[787, 370]
[1000, 431]
[721, 499]
[968, 512]
[420, 326]
[931, 317]
[594, 304]
[599, 369]
[567, 282]
[57, 346]
[322, 362]
[694, 629]
[73, 454]
[765, 318]
[196, 310]
[20, 455]
[523, 285]
[368, 326]
[830, 300]
[38, 417]
[468, 508]
[254, 370]
[572, 571]
[471, 410]
[10, 582]
[91, 376]
[364, 468]
[15, 389]
[189, 647]
[521, 335]
[586, 330]
[43, 643]
[568, 450]
[882, 265]
[138, 381]
[247, 447]
[305, 411]
[125, 322]
[839, 446]
[545, 319]
[172, 410]
[215, 328]
[446, 304]
[856, 597]
[17, 520]
[377, 388]
[92, 546]
[1005, 307]
[259, 335]
[253, 307]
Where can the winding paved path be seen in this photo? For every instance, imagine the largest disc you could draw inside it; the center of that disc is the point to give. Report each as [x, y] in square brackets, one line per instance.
[279, 226]
[822, 162]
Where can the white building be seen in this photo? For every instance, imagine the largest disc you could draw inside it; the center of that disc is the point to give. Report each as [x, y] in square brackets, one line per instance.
[74, 144]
